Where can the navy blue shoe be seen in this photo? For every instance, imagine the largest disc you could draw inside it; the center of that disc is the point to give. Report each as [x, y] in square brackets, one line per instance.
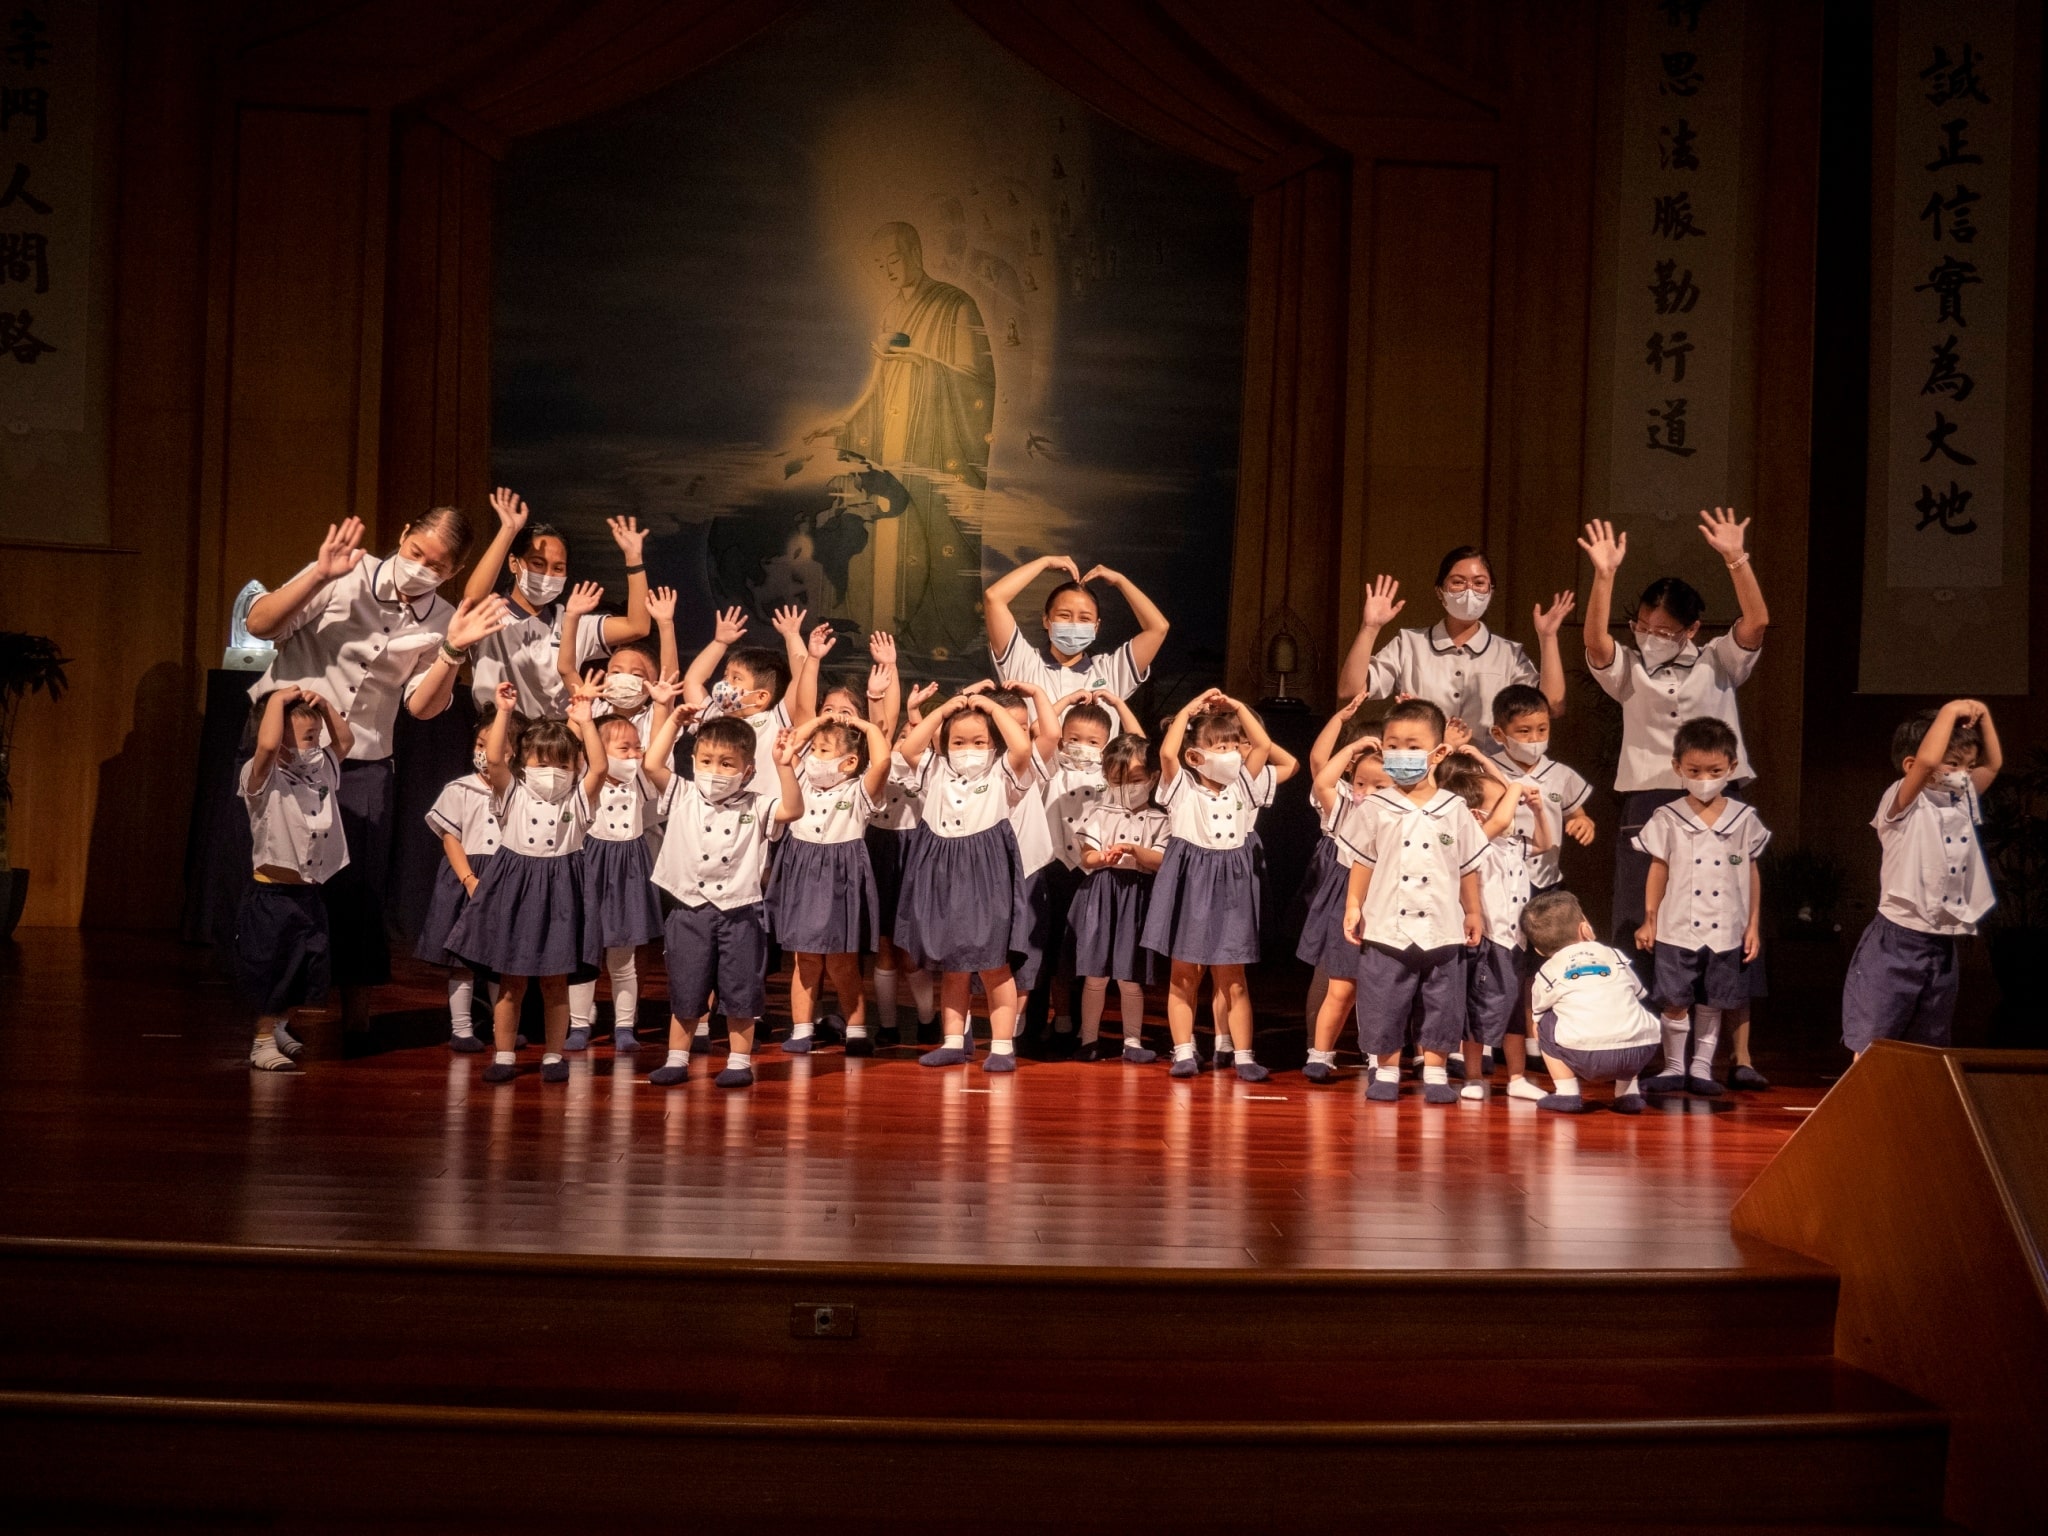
[1185, 1066]
[1628, 1103]
[500, 1072]
[554, 1071]
[465, 1045]
[577, 1039]
[1251, 1072]
[860, 1045]
[999, 1061]
[1380, 1091]
[1319, 1072]
[1748, 1080]
[1703, 1087]
[668, 1077]
[831, 1030]
[1665, 1082]
[947, 1056]
[1137, 1055]
[1455, 1065]
[1564, 1103]
[625, 1039]
[735, 1077]
[1095, 1050]
[1223, 1058]
[1439, 1093]
[799, 1047]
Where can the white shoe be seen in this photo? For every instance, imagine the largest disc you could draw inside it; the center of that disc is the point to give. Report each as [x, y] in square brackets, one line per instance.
[1522, 1088]
[264, 1056]
[1474, 1091]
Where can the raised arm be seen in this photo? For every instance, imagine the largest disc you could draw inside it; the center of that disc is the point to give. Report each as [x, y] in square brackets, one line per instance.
[876, 779]
[1326, 739]
[1605, 552]
[788, 622]
[1720, 529]
[1540, 840]
[1383, 604]
[919, 738]
[661, 607]
[483, 576]
[1045, 717]
[269, 740]
[340, 552]
[730, 630]
[1132, 725]
[595, 759]
[581, 602]
[885, 686]
[432, 689]
[1152, 624]
[1549, 661]
[1337, 768]
[498, 740]
[803, 686]
[1016, 740]
[632, 541]
[339, 736]
[1264, 749]
[1990, 755]
[791, 805]
[1176, 733]
[1004, 590]
[667, 724]
[1927, 757]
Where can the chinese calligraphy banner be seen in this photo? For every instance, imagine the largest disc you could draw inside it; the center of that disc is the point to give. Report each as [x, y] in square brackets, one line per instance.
[1950, 359]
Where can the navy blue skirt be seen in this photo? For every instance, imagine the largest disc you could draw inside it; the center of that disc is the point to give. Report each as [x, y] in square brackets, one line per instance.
[1205, 905]
[1322, 943]
[529, 917]
[888, 853]
[281, 951]
[822, 899]
[962, 907]
[443, 907]
[618, 884]
[1107, 921]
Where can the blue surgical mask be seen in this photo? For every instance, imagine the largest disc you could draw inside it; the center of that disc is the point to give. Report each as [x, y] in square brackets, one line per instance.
[1405, 766]
[1071, 639]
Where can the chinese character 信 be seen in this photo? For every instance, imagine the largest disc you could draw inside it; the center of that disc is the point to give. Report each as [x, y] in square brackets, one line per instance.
[1673, 216]
[1682, 13]
[1960, 227]
[1682, 76]
[18, 192]
[1674, 295]
[30, 45]
[1670, 423]
[1950, 509]
[1949, 82]
[1945, 374]
[1947, 282]
[1675, 150]
[1937, 441]
[31, 102]
[23, 257]
[17, 340]
[1955, 149]
[1676, 347]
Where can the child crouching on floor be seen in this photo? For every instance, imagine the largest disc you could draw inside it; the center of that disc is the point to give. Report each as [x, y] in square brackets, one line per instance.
[1590, 1016]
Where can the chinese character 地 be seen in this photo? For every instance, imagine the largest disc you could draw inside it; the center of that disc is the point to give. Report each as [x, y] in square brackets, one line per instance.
[1949, 509]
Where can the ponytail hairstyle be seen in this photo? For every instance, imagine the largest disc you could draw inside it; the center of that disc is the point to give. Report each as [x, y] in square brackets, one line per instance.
[1130, 752]
[451, 525]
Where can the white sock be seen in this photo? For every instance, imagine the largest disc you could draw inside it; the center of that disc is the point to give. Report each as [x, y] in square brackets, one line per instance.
[1567, 1085]
[1002, 1047]
[461, 1000]
[505, 1058]
[1184, 1051]
[1624, 1090]
[1392, 1075]
[1372, 1061]
[921, 995]
[1522, 1088]
[549, 1058]
[1094, 993]
[618, 964]
[1706, 1038]
[802, 1031]
[1435, 1074]
[678, 1059]
[956, 1042]
[1674, 1044]
[1327, 1058]
[885, 997]
[856, 1031]
[702, 1031]
[582, 1004]
[1131, 999]
[1244, 1056]
[739, 1061]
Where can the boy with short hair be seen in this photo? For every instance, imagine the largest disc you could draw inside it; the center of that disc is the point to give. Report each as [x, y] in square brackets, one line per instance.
[756, 684]
[1589, 1012]
[1704, 902]
[1935, 886]
[1521, 746]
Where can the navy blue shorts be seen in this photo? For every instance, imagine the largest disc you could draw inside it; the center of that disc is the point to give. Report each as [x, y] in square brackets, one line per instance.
[1901, 986]
[1718, 978]
[1390, 984]
[712, 952]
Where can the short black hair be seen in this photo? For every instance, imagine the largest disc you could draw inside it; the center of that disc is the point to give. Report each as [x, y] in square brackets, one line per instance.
[1552, 920]
[1517, 700]
[1090, 714]
[641, 647]
[839, 737]
[1461, 553]
[769, 668]
[1008, 698]
[524, 540]
[1704, 733]
[1913, 730]
[1063, 589]
[1679, 598]
[551, 744]
[1464, 778]
[1419, 710]
[728, 731]
[1215, 725]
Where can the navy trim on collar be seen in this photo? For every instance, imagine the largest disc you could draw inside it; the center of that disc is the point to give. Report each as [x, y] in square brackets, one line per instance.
[1445, 649]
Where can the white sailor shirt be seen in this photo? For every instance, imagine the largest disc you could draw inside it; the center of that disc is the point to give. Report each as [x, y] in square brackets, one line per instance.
[294, 820]
[1419, 855]
[1706, 892]
[902, 803]
[1461, 680]
[1504, 887]
[957, 807]
[1655, 702]
[1595, 996]
[466, 810]
[836, 815]
[1207, 816]
[1110, 672]
[1563, 791]
[1934, 878]
[357, 641]
[525, 652]
[624, 811]
[1106, 825]
[543, 829]
[715, 852]
[768, 727]
[1064, 800]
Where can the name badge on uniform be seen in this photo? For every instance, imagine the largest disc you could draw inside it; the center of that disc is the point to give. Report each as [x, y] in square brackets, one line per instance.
[1734, 858]
[1444, 838]
[843, 805]
[746, 818]
[1556, 798]
[981, 789]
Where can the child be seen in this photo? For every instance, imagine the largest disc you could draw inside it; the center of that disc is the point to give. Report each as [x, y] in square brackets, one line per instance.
[618, 878]
[465, 819]
[1205, 899]
[1935, 885]
[1413, 901]
[1521, 746]
[897, 822]
[1123, 842]
[632, 668]
[1348, 777]
[529, 917]
[961, 912]
[1703, 927]
[1589, 1013]
[822, 903]
[714, 861]
[756, 685]
[1071, 626]
[289, 790]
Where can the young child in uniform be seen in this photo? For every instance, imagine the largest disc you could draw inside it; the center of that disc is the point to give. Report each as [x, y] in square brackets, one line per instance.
[288, 788]
[618, 879]
[1123, 842]
[1589, 1012]
[961, 911]
[822, 903]
[464, 817]
[1934, 886]
[714, 862]
[1204, 916]
[1521, 749]
[756, 685]
[632, 668]
[1704, 901]
[529, 918]
[1349, 776]
[898, 822]
[1413, 902]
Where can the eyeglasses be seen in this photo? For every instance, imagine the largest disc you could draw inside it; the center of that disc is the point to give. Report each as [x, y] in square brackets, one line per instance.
[1655, 633]
[1469, 584]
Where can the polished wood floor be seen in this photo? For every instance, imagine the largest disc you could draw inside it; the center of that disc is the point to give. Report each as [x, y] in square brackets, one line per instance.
[126, 1111]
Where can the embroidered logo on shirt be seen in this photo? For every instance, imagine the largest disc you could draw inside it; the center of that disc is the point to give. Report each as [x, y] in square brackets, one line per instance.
[843, 805]
[1557, 799]
[981, 789]
[1587, 969]
[1444, 838]
[1734, 858]
[746, 818]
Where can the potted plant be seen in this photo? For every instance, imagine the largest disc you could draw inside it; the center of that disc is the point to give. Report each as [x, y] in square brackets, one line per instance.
[28, 664]
[2015, 838]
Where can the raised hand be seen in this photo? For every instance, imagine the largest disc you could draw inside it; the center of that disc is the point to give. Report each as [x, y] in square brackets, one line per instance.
[1550, 620]
[474, 621]
[1064, 563]
[1456, 732]
[592, 685]
[882, 647]
[1102, 573]
[1383, 603]
[979, 685]
[1346, 711]
[579, 709]
[629, 536]
[822, 642]
[666, 690]
[661, 605]
[511, 509]
[342, 550]
[583, 598]
[1603, 548]
[731, 627]
[878, 680]
[506, 696]
[789, 622]
[1720, 529]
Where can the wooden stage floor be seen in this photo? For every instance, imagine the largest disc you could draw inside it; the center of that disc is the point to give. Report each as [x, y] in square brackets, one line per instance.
[126, 1112]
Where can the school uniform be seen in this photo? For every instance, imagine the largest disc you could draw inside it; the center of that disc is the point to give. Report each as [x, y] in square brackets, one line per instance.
[1460, 679]
[282, 955]
[1107, 918]
[894, 825]
[1700, 681]
[358, 642]
[767, 727]
[1206, 897]
[1114, 671]
[714, 861]
[1590, 1018]
[466, 811]
[1705, 911]
[822, 899]
[526, 653]
[1935, 887]
[1413, 919]
[618, 864]
[1564, 790]
[962, 905]
[1322, 943]
[531, 914]
[1057, 807]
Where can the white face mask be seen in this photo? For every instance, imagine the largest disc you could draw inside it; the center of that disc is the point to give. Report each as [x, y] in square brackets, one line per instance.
[1527, 753]
[823, 772]
[1131, 796]
[539, 588]
[1706, 791]
[1071, 639]
[1080, 757]
[1219, 767]
[550, 784]
[624, 690]
[1467, 604]
[480, 760]
[1657, 650]
[411, 578]
[622, 768]
[1955, 780]
[969, 763]
[716, 786]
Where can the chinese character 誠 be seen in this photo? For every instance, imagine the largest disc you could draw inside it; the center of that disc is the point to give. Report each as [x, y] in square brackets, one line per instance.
[1667, 429]
[1672, 217]
[1949, 509]
[1954, 81]
[1946, 282]
[18, 340]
